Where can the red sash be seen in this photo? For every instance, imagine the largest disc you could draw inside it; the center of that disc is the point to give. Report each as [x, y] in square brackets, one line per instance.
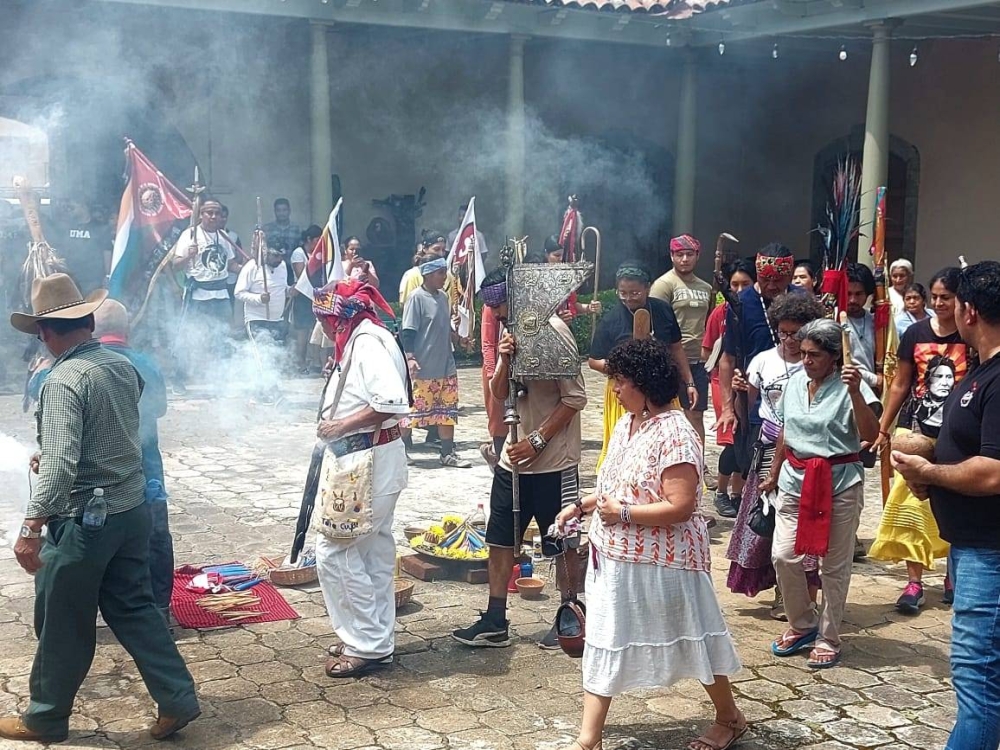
[812, 537]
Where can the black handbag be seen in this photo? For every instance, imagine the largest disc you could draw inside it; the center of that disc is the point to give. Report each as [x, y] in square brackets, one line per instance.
[760, 523]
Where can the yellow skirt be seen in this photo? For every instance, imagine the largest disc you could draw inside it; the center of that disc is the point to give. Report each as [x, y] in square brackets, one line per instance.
[908, 530]
[613, 411]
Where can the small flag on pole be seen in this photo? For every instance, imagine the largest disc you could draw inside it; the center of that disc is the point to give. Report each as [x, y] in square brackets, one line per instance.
[465, 254]
[325, 263]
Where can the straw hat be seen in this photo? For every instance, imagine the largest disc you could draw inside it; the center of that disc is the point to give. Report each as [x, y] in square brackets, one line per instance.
[56, 297]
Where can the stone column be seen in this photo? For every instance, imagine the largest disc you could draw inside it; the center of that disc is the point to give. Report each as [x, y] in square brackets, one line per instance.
[875, 159]
[687, 142]
[515, 138]
[320, 131]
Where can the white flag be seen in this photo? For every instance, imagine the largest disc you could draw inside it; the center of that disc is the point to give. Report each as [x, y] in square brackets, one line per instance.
[329, 247]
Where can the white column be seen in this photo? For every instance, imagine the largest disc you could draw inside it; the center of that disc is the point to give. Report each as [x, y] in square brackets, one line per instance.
[515, 138]
[875, 159]
[320, 131]
[687, 142]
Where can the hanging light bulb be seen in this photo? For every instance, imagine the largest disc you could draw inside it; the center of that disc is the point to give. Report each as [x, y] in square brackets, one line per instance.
[774, 51]
[843, 52]
[722, 48]
[913, 57]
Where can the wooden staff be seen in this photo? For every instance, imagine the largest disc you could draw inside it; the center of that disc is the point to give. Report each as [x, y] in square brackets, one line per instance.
[717, 279]
[642, 326]
[597, 269]
[260, 252]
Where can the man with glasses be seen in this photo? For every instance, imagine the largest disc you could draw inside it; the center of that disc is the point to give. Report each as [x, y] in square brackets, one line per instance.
[689, 297]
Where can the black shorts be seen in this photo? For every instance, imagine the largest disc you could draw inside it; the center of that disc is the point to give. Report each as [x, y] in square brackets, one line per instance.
[700, 376]
[542, 497]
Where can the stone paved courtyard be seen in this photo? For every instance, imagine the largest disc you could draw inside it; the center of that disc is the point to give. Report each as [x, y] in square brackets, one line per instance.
[234, 472]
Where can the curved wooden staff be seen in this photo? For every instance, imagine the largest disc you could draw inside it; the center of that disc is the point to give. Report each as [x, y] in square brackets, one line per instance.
[597, 269]
[42, 259]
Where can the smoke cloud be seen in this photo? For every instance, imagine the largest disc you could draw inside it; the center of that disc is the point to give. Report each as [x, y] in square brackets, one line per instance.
[14, 457]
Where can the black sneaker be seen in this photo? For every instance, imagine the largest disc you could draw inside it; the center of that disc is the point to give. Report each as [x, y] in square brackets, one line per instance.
[859, 550]
[724, 505]
[486, 633]
[912, 598]
[551, 640]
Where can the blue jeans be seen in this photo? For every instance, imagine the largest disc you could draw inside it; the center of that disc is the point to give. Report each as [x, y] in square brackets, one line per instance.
[975, 648]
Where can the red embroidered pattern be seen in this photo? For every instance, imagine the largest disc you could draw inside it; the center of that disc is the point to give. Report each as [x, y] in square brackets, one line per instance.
[631, 474]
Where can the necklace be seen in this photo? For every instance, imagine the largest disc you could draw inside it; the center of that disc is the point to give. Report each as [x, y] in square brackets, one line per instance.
[763, 307]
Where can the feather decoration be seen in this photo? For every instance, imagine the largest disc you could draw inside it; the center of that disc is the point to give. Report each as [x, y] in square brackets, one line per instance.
[842, 213]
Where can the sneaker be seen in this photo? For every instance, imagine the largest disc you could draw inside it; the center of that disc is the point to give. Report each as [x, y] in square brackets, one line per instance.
[859, 550]
[455, 462]
[949, 591]
[485, 633]
[724, 505]
[912, 598]
[778, 608]
[551, 640]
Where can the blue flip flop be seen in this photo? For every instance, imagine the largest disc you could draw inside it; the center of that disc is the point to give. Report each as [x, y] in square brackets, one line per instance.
[812, 664]
[804, 641]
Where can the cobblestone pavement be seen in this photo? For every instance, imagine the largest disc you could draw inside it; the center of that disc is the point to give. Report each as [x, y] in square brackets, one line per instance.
[234, 471]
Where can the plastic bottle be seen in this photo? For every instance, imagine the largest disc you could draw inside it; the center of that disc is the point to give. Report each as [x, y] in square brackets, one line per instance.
[95, 513]
[536, 549]
[478, 518]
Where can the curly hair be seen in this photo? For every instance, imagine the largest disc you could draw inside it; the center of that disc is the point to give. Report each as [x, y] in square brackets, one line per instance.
[795, 308]
[648, 365]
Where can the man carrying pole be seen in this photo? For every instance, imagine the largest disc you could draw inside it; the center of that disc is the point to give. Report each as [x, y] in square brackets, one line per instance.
[538, 471]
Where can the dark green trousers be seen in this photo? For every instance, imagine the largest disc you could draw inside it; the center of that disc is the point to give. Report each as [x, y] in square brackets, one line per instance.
[81, 571]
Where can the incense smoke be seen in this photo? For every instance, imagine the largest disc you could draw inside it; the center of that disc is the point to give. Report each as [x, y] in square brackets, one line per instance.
[14, 457]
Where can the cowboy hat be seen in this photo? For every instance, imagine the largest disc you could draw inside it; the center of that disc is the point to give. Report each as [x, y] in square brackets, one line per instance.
[56, 297]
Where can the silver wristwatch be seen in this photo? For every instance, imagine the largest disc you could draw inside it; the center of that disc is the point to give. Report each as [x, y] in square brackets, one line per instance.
[27, 533]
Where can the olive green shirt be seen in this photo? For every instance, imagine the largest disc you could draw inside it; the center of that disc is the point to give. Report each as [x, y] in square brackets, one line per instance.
[88, 434]
[690, 301]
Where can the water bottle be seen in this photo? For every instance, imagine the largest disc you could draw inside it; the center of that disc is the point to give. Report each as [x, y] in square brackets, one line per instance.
[478, 519]
[96, 511]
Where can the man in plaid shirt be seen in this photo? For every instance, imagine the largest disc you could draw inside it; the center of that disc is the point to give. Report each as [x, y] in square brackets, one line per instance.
[88, 436]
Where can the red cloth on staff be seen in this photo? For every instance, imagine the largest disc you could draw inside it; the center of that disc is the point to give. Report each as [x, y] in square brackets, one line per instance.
[812, 537]
[835, 283]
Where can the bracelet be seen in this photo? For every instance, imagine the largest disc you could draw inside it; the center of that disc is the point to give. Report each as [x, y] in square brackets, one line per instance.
[537, 441]
[579, 506]
[626, 514]
[690, 385]
[883, 433]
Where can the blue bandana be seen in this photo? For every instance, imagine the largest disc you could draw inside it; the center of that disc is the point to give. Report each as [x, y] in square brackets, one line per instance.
[433, 265]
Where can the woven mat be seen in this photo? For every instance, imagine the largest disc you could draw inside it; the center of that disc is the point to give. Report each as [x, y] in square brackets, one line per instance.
[183, 603]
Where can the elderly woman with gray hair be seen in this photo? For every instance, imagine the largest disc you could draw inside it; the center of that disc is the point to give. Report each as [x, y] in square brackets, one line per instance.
[827, 412]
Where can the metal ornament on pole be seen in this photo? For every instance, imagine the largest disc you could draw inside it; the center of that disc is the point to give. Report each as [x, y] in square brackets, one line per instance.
[534, 293]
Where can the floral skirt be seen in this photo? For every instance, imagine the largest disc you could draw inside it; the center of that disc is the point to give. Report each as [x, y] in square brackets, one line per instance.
[435, 402]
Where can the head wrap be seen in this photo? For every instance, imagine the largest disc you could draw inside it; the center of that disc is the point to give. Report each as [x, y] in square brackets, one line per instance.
[771, 267]
[431, 266]
[684, 242]
[495, 294]
[901, 263]
[632, 271]
[342, 305]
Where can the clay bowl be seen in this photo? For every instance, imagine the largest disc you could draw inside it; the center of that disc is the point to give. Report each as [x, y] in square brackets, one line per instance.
[530, 588]
[412, 532]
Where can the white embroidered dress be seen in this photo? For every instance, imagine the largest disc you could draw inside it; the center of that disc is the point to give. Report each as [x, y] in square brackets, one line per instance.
[652, 614]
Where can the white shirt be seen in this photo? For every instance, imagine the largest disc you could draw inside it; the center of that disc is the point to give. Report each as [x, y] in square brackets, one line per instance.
[376, 378]
[769, 374]
[299, 256]
[250, 287]
[209, 264]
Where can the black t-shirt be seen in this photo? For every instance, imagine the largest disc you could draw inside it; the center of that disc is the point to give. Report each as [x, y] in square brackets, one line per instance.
[939, 364]
[83, 246]
[616, 326]
[971, 416]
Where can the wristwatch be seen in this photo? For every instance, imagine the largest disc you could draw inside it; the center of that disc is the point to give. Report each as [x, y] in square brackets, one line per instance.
[27, 533]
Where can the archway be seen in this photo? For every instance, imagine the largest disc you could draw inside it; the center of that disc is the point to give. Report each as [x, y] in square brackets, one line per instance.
[901, 196]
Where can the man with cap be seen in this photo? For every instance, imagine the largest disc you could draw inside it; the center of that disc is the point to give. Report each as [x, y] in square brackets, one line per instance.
[547, 458]
[428, 334]
[689, 297]
[90, 454]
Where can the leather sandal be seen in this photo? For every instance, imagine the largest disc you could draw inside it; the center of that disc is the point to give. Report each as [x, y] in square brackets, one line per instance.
[577, 745]
[738, 728]
[353, 666]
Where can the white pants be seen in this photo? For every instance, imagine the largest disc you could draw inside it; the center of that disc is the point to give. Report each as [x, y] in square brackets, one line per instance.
[357, 578]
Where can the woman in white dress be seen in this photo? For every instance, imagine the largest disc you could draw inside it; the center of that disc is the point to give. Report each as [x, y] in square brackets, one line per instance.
[653, 616]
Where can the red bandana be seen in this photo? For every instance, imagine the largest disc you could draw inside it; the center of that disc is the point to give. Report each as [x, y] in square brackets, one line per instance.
[684, 242]
[342, 305]
[769, 267]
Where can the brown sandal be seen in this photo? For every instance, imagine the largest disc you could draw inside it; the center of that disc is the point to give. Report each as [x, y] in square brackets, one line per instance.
[353, 666]
[738, 728]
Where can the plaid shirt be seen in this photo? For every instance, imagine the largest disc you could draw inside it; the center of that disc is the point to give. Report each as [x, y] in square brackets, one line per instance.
[88, 433]
[290, 235]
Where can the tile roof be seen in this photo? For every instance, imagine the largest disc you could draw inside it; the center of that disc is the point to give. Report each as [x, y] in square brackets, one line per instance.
[666, 8]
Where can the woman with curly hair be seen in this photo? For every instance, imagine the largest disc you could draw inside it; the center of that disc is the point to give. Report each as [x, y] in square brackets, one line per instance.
[653, 617]
[751, 571]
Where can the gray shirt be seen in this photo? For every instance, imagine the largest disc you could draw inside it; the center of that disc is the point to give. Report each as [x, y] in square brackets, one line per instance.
[826, 428]
[862, 334]
[430, 316]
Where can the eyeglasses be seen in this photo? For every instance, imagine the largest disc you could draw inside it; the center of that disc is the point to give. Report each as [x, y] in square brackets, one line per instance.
[630, 295]
[785, 335]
